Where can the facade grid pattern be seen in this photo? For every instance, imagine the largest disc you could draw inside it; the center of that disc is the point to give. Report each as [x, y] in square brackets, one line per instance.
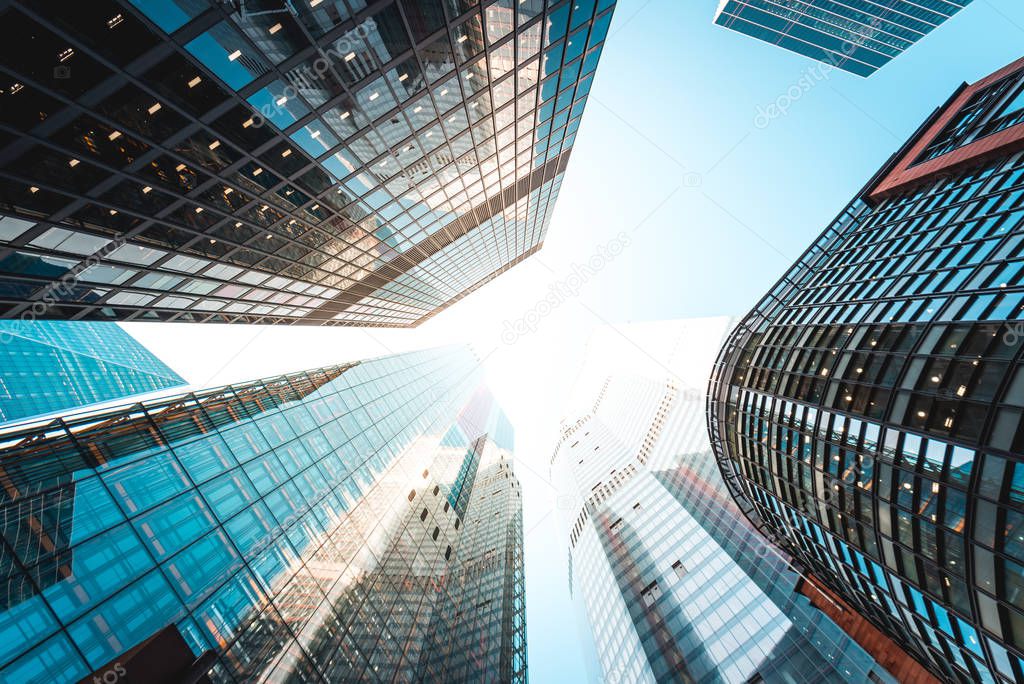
[858, 36]
[328, 163]
[297, 526]
[675, 584]
[867, 413]
[53, 366]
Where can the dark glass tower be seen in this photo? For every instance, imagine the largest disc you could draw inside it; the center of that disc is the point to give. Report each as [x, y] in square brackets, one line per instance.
[322, 162]
[858, 36]
[51, 366]
[352, 523]
[867, 413]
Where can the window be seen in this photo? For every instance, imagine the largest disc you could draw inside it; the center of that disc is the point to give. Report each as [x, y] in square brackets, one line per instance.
[651, 593]
[11, 228]
[225, 53]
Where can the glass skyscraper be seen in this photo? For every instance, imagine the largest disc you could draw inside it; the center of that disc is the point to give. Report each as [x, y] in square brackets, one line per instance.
[867, 413]
[858, 36]
[323, 162]
[353, 523]
[51, 366]
[673, 582]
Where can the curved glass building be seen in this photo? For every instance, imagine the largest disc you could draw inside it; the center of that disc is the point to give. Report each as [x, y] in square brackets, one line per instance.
[866, 414]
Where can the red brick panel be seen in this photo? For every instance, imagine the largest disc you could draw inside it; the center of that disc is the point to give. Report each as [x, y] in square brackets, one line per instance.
[883, 649]
[1004, 142]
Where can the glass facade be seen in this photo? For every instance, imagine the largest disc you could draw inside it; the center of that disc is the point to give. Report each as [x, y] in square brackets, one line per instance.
[330, 162]
[52, 366]
[866, 414]
[675, 584]
[858, 36]
[352, 523]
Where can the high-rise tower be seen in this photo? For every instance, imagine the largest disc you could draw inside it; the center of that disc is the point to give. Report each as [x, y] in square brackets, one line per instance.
[52, 366]
[867, 413]
[352, 523]
[858, 36]
[673, 583]
[322, 162]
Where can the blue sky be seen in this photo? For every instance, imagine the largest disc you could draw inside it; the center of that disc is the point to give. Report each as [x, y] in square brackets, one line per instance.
[701, 209]
[677, 94]
[669, 143]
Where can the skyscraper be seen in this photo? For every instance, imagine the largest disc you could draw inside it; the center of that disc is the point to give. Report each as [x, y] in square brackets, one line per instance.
[353, 523]
[51, 366]
[858, 36]
[672, 581]
[323, 162]
[866, 413]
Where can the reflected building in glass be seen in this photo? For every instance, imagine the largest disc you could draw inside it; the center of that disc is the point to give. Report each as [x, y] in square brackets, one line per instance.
[671, 580]
[52, 366]
[333, 162]
[858, 36]
[867, 413]
[352, 523]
